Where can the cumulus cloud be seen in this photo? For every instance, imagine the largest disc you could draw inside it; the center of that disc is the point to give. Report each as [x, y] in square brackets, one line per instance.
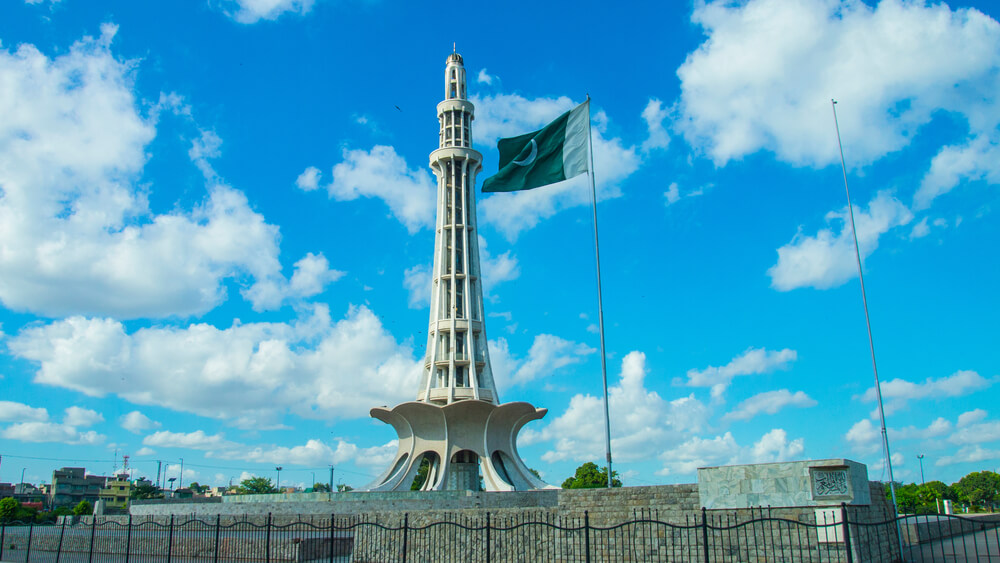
[641, 420]
[311, 275]
[971, 417]
[136, 422]
[77, 416]
[78, 234]
[863, 437]
[977, 433]
[898, 392]
[11, 411]
[313, 452]
[827, 259]
[383, 174]
[484, 77]
[769, 402]
[764, 76]
[253, 11]
[50, 432]
[974, 160]
[548, 353]
[751, 362]
[417, 281]
[507, 115]
[653, 115]
[313, 367]
[968, 454]
[697, 452]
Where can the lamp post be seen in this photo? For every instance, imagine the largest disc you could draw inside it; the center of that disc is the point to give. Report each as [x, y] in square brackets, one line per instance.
[920, 457]
[181, 484]
[172, 479]
[278, 484]
[22, 480]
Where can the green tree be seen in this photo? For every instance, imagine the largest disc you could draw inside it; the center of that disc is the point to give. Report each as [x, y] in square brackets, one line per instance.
[979, 488]
[8, 509]
[418, 481]
[589, 476]
[321, 488]
[83, 509]
[534, 472]
[256, 486]
[198, 489]
[145, 490]
[342, 488]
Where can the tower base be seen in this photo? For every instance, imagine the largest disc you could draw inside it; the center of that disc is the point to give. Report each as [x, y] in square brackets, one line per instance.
[455, 438]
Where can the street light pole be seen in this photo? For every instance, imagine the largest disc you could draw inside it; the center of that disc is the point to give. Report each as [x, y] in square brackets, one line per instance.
[921, 458]
[181, 485]
[22, 479]
[278, 484]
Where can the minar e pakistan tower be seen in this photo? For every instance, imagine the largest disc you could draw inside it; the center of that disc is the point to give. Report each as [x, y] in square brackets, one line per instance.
[457, 422]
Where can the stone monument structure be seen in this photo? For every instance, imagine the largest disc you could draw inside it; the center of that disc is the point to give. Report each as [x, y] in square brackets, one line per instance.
[457, 422]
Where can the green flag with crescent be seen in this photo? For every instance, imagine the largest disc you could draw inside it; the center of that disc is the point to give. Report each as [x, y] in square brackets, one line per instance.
[552, 154]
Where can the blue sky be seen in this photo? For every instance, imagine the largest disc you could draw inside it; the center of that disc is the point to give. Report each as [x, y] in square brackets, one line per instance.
[216, 232]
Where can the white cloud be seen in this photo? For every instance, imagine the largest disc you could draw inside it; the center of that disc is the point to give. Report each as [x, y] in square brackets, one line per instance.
[971, 417]
[653, 115]
[197, 440]
[975, 160]
[920, 230]
[547, 355]
[312, 367]
[145, 451]
[136, 422]
[20, 412]
[672, 195]
[769, 402]
[252, 11]
[312, 274]
[751, 362]
[507, 115]
[697, 452]
[897, 392]
[828, 259]
[496, 269]
[977, 433]
[309, 179]
[50, 432]
[417, 281]
[77, 416]
[864, 438]
[969, 454]
[79, 235]
[484, 77]
[939, 427]
[764, 76]
[383, 174]
[641, 420]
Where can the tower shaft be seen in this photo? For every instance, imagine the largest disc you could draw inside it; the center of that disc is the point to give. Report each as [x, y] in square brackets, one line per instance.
[457, 364]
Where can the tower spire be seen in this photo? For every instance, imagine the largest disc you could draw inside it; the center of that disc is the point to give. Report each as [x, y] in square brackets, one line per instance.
[457, 427]
[457, 365]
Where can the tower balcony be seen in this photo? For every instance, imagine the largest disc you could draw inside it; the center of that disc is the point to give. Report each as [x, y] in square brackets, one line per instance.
[445, 153]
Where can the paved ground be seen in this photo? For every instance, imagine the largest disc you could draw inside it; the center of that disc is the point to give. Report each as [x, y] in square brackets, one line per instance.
[980, 546]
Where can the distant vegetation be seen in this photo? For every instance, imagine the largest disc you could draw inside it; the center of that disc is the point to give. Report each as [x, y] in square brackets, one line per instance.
[978, 491]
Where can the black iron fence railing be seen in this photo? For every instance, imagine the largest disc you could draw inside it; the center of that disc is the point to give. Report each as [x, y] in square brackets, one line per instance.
[841, 534]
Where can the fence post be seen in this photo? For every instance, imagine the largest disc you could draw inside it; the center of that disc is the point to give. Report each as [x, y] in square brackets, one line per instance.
[267, 542]
[62, 532]
[170, 539]
[3, 536]
[218, 525]
[847, 532]
[586, 535]
[487, 538]
[406, 528]
[704, 532]
[27, 555]
[93, 530]
[128, 538]
[331, 537]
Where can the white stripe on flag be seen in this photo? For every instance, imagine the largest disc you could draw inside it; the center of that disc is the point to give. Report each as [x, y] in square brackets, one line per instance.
[575, 147]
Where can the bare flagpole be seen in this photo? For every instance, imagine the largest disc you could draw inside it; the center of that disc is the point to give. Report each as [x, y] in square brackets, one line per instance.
[600, 302]
[864, 300]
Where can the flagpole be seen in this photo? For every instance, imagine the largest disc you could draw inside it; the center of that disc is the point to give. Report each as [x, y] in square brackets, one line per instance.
[600, 301]
[864, 301]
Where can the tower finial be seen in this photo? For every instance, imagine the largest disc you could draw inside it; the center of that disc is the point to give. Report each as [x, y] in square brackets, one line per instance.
[453, 47]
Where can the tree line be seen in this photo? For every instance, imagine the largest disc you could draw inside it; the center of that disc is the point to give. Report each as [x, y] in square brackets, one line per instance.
[978, 491]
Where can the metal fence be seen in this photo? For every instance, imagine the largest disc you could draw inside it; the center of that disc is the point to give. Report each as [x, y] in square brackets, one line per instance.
[707, 537]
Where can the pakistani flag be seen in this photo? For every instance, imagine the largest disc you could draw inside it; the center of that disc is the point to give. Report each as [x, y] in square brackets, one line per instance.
[552, 154]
